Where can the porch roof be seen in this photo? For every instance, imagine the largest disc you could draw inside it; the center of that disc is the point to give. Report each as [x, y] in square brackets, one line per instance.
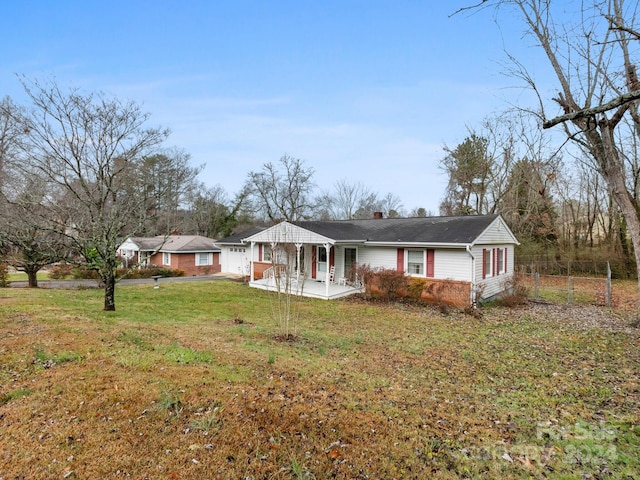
[286, 232]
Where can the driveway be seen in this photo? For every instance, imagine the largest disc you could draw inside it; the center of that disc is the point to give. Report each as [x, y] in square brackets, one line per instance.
[74, 284]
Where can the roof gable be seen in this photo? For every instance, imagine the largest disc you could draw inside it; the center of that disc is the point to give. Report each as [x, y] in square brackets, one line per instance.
[497, 232]
[286, 232]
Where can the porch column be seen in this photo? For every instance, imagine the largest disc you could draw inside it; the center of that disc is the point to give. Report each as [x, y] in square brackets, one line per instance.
[327, 247]
[251, 262]
[298, 247]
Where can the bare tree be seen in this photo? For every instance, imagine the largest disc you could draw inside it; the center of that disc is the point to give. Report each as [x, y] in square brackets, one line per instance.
[32, 241]
[10, 138]
[344, 200]
[281, 191]
[85, 146]
[589, 53]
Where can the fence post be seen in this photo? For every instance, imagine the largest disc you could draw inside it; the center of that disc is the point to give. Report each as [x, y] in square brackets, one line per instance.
[536, 285]
[608, 287]
[569, 289]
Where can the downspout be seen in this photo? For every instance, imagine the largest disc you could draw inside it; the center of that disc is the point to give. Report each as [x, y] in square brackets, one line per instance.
[473, 276]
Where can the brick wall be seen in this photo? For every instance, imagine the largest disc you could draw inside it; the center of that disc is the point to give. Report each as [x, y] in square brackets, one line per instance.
[452, 292]
[187, 262]
[259, 268]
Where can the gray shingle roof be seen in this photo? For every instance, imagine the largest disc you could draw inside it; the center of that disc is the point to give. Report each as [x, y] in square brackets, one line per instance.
[462, 230]
[176, 243]
[236, 238]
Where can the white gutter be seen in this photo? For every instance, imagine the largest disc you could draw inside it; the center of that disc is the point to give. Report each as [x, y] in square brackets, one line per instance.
[400, 243]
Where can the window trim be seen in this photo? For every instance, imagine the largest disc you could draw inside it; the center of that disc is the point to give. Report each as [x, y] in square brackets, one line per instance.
[487, 263]
[423, 272]
[208, 262]
[166, 258]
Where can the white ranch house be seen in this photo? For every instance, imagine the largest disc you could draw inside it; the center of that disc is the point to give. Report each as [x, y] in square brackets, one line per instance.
[475, 251]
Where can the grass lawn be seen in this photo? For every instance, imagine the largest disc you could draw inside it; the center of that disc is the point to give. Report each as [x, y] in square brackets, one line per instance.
[188, 381]
[22, 277]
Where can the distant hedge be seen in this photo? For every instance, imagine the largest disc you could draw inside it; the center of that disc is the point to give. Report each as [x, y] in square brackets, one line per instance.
[149, 272]
[65, 270]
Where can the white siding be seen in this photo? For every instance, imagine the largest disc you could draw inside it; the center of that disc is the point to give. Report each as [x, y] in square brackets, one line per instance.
[495, 284]
[452, 264]
[384, 257]
[128, 249]
[497, 232]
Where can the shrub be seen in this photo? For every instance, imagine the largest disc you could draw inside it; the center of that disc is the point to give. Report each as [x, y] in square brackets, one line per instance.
[516, 293]
[415, 288]
[84, 273]
[148, 272]
[365, 274]
[391, 282]
[60, 271]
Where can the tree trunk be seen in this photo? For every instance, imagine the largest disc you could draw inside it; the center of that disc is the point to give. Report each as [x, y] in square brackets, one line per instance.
[32, 275]
[109, 280]
[615, 177]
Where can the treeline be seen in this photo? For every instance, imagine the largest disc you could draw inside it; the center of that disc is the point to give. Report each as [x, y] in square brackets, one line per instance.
[555, 201]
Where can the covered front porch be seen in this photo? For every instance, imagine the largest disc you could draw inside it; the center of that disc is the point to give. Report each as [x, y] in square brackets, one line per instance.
[289, 259]
[309, 288]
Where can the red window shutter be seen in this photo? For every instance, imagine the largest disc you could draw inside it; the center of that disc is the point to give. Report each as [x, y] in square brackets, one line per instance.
[314, 260]
[259, 252]
[332, 257]
[430, 262]
[400, 262]
[484, 263]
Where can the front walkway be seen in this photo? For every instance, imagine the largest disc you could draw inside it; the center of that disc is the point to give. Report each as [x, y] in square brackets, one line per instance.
[311, 289]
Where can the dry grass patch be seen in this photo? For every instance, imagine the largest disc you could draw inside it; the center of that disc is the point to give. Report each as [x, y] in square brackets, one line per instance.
[170, 386]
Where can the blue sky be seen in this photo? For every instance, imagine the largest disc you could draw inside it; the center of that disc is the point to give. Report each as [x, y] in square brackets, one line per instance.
[363, 90]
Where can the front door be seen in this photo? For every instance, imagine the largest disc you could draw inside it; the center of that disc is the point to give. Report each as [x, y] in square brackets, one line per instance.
[350, 262]
[322, 263]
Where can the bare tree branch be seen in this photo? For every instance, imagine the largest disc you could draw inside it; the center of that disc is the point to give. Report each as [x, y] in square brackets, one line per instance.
[590, 112]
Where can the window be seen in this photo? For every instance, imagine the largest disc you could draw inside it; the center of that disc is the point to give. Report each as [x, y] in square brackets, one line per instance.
[415, 262]
[486, 263]
[204, 259]
[500, 253]
[166, 258]
[322, 259]
[267, 254]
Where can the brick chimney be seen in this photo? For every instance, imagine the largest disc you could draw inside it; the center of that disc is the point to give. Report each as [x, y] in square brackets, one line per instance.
[377, 215]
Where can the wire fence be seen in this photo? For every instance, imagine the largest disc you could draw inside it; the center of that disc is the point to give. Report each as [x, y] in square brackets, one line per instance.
[554, 265]
[568, 289]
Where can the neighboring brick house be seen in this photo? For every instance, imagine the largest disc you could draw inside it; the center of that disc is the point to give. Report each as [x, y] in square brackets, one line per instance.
[194, 254]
